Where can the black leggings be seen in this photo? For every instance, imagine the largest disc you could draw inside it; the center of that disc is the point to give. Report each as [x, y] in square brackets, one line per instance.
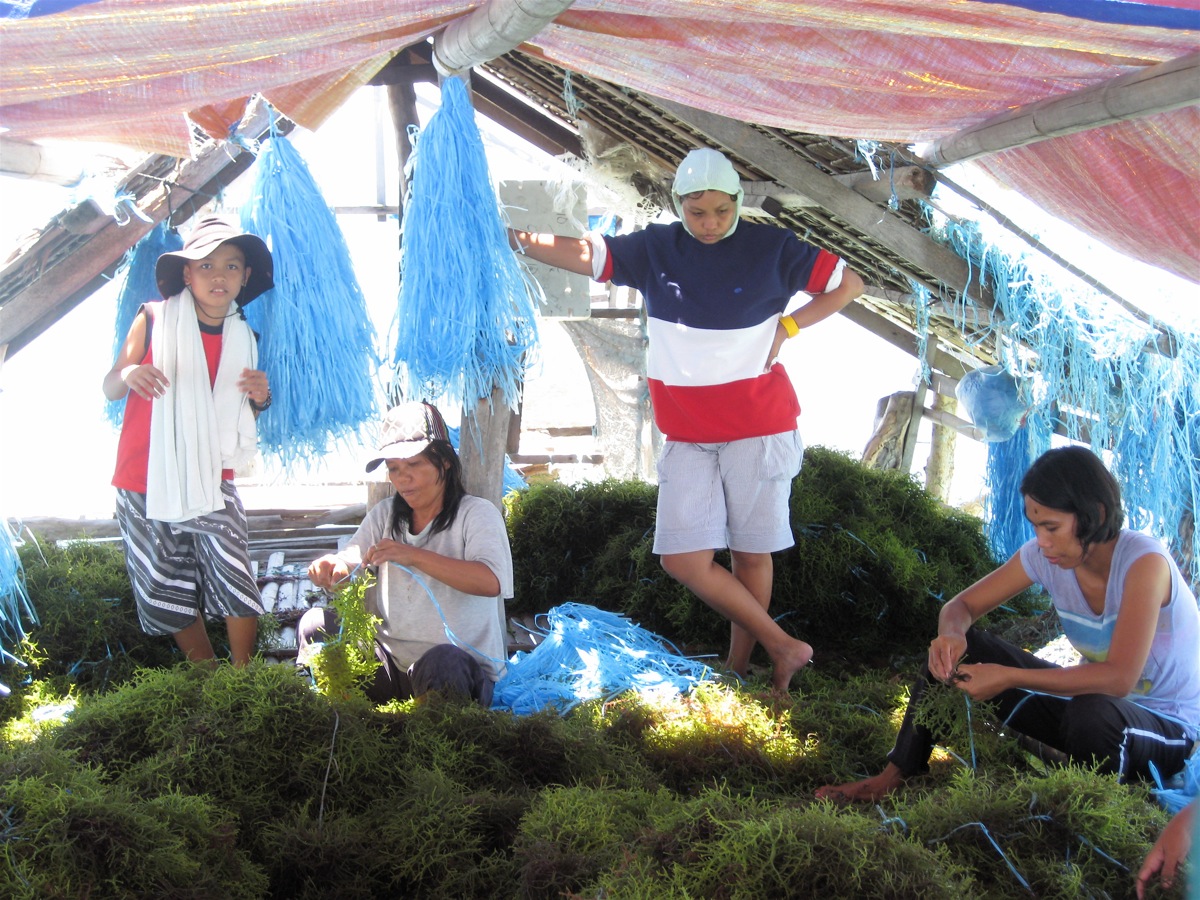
[1119, 736]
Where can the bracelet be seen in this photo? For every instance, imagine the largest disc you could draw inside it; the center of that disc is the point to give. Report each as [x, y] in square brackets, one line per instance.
[257, 408]
[789, 325]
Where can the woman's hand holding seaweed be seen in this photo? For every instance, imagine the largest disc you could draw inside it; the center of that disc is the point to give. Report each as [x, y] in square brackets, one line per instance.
[326, 571]
[982, 681]
[945, 651]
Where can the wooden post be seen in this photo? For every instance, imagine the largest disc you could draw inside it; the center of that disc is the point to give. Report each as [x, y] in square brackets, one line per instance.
[481, 443]
[918, 409]
[893, 415]
[939, 471]
[378, 491]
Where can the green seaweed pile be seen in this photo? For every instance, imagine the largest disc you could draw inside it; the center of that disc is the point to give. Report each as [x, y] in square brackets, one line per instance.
[246, 783]
[128, 773]
[875, 557]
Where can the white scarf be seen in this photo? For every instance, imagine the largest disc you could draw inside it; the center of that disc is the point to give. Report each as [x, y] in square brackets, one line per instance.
[195, 431]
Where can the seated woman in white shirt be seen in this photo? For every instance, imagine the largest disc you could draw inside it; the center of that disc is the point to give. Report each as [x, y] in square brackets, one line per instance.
[442, 621]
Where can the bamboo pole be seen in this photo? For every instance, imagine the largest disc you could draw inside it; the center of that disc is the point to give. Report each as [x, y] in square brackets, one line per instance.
[1159, 88]
[492, 30]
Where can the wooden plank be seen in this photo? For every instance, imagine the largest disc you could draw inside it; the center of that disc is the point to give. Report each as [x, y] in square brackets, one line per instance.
[52, 528]
[270, 591]
[558, 459]
[332, 531]
[296, 512]
[299, 539]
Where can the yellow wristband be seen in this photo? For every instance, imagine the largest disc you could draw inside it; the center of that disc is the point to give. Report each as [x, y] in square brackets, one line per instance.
[790, 326]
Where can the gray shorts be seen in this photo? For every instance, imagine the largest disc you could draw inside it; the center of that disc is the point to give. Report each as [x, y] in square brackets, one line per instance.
[179, 569]
[735, 494]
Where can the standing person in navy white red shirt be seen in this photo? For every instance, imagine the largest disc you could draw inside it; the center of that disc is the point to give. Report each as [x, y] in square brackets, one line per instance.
[715, 292]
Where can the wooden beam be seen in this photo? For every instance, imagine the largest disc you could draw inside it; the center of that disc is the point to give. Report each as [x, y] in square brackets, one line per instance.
[953, 422]
[25, 159]
[1159, 88]
[938, 306]
[79, 252]
[535, 125]
[901, 338]
[783, 167]
[904, 183]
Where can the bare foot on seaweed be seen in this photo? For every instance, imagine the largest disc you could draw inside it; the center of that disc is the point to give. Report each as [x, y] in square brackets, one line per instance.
[799, 656]
[868, 790]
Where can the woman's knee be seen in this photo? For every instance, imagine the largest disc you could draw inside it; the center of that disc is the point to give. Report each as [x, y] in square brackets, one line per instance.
[686, 567]
[315, 625]
[451, 670]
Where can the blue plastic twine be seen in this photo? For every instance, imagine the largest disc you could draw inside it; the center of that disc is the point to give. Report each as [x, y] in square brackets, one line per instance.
[316, 340]
[465, 318]
[138, 287]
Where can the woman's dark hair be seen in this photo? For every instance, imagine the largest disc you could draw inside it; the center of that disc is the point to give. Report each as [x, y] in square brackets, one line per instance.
[1074, 480]
[696, 195]
[442, 455]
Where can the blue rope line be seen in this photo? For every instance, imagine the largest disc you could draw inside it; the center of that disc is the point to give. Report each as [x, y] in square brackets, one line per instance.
[887, 821]
[970, 732]
[1120, 865]
[454, 639]
[992, 841]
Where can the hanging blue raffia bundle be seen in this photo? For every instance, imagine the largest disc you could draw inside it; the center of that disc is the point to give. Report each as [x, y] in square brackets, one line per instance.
[1006, 527]
[1096, 378]
[465, 316]
[587, 653]
[139, 287]
[15, 606]
[316, 340]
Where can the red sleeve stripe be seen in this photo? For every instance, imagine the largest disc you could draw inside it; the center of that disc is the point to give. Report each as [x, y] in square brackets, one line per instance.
[823, 266]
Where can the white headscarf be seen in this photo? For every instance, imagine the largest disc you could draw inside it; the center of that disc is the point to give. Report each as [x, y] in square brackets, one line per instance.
[705, 169]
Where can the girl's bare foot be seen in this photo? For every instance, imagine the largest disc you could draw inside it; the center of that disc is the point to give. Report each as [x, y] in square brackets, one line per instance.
[868, 790]
[799, 656]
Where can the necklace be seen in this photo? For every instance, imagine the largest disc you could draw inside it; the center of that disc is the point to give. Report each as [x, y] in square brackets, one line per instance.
[215, 320]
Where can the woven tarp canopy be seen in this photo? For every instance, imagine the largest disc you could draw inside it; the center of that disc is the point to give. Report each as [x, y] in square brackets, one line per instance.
[134, 72]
